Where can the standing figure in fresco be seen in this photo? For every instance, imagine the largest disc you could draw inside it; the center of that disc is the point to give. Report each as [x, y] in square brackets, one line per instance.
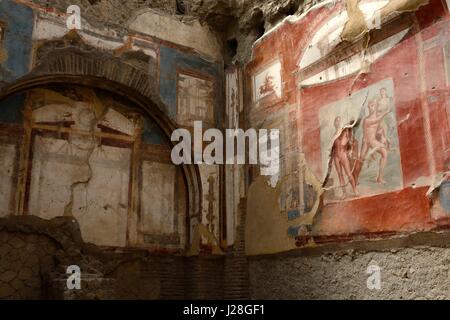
[341, 155]
[371, 125]
[385, 128]
[387, 124]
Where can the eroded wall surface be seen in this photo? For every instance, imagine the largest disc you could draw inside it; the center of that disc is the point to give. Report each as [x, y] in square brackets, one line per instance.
[406, 273]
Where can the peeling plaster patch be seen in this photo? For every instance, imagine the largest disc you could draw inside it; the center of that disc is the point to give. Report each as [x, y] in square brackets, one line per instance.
[398, 6]
[272, 181]
[436, 183]
[270, 229]
[432, 182]
[307, 219]
[356, 25]
[294, 19]
[264, 220]
[406, 118]
[200, 231]
[394, 6]
[328, 37]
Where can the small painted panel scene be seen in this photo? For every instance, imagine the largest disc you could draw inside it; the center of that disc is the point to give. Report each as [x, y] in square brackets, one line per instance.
[267, 82]
[195, 100]
[359, 143]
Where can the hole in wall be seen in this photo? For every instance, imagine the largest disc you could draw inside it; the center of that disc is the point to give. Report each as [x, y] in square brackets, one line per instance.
[292, 10]
[261, 30]
[232, 46]
[258, 22]
[180, 7]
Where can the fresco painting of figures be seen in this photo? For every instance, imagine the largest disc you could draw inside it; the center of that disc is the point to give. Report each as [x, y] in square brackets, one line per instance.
[268, 82]
[359, 144]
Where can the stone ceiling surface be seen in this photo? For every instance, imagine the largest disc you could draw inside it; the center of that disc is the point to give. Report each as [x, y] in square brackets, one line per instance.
[240, 20]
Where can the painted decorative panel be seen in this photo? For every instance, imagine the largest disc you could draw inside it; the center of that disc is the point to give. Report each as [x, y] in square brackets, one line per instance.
[210, 177]
[267, 82]
[173, 62]
[195, 100]
[158, 212]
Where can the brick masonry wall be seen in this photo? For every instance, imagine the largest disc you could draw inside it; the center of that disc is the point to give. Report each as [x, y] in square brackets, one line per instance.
[35, 253]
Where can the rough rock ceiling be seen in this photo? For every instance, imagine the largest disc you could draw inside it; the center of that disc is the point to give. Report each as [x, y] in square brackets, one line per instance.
[215, 12]
[238, 21]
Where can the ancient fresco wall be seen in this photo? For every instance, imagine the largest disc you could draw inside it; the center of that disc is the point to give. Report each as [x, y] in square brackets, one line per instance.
[169, 57]
[80, 142]
[367, 121]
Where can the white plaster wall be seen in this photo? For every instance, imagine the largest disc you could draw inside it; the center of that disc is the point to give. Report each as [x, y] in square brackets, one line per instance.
[192, 34]
[158, 198]
[47, 27]
[56, 166]
[101, 206]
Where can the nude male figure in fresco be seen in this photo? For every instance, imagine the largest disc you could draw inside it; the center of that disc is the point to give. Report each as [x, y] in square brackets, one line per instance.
[371, 125]
[342, 148]
[387, 124]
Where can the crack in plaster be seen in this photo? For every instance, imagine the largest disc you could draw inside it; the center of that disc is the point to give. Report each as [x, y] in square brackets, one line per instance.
[99, 114]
